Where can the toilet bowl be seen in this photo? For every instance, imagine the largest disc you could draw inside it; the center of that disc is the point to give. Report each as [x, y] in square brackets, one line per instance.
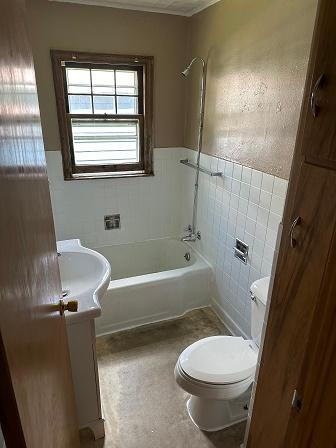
[218, 371]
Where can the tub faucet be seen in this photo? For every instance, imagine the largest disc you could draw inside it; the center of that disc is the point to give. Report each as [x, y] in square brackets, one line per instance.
[191, 235]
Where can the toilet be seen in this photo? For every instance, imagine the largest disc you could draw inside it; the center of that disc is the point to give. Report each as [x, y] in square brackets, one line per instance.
[218, 371]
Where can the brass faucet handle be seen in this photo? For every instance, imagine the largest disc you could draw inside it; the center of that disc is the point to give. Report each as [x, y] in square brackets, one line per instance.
[71, 306]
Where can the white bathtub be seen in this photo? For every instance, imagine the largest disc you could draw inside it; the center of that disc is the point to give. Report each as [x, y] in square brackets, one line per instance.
[152, 281]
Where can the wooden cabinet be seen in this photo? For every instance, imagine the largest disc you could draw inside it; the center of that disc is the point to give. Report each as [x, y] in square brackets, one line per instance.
[296, 291]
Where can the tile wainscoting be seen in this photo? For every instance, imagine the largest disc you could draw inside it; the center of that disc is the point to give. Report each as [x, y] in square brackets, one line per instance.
[148, 206]
[244, 203]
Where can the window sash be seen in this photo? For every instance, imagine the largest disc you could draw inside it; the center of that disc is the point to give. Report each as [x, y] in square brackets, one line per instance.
[105, 66]
[129, 166]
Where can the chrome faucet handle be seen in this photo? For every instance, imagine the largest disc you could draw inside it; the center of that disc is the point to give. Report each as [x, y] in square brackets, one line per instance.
[192, 237]
[188, 228]
[189, 237]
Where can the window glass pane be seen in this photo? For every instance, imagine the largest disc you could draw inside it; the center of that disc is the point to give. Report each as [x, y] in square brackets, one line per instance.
[127, 82]
[80, 104]
[78, 80]
[127, 105]
[103, 81]
[105, 142]
[104, 104]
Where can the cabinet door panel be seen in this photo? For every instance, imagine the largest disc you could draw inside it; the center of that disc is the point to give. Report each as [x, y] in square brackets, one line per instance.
[319, 111]
[314, 424]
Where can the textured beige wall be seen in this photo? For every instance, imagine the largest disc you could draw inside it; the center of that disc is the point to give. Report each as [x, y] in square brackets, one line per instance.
[98, 29]
[257, 55]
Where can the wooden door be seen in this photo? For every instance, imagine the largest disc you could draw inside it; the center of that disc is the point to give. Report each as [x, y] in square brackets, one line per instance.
[300, 339]
[36, 393]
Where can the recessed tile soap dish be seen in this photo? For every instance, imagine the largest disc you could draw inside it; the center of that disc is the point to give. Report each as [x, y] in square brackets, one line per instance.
[241, 250]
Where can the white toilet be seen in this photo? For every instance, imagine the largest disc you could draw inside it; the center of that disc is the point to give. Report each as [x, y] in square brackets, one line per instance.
[218, 371]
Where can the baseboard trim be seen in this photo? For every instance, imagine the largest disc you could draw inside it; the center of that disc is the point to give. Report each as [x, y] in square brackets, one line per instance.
[227, 320]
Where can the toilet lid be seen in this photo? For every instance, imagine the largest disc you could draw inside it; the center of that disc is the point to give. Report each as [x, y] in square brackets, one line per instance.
[219, 359]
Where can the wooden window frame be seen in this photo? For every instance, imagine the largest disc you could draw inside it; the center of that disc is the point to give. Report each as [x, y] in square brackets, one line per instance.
[144, 67]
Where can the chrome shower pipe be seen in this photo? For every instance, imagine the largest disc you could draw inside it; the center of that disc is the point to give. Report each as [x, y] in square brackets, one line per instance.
[194, 234]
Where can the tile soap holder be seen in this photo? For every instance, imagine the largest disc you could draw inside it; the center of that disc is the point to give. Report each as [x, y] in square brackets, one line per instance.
[241, 250]
[112, 222]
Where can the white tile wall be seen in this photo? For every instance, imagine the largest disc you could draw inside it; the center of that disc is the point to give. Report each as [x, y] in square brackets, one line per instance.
[149, 206]
[246, 204]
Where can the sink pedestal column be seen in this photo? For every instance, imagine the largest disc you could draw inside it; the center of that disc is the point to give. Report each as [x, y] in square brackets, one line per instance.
[82, 346]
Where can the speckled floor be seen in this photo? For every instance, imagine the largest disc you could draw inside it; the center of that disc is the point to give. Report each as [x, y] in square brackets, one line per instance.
[142, 404]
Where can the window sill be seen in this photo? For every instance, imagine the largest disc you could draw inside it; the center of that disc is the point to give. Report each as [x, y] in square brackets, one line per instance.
[109, 175]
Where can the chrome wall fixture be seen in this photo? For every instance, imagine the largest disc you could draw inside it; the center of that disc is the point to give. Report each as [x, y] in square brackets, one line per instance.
[112, 222]
[187, 162]
[241, 250]
[192, 235]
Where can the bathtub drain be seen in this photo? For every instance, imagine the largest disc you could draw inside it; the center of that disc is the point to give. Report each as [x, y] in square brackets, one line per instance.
[187, 256]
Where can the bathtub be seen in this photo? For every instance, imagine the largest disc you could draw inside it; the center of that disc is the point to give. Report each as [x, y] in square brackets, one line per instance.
[152, 281]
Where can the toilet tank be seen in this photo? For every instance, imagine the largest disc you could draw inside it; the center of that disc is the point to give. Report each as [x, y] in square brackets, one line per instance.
[259, 292]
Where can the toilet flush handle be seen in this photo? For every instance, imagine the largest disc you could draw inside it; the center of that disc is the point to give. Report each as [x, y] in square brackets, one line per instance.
[253, 297]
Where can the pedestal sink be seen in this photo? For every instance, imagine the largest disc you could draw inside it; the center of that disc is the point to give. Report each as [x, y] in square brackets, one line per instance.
[85, 275]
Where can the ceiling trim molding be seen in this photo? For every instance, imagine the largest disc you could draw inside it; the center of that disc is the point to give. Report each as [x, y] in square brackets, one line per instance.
[201, 8]
[118, 5]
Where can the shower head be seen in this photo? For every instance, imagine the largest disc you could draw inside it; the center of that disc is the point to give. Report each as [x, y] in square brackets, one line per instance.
[185, 72]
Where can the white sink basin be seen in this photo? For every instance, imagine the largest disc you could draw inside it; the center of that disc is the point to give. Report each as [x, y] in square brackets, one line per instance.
[85, 275]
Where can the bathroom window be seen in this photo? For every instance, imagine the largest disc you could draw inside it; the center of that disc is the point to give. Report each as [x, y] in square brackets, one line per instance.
[104, 105]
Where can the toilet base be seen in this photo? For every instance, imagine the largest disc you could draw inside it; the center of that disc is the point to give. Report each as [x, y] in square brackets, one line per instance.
[213, 415]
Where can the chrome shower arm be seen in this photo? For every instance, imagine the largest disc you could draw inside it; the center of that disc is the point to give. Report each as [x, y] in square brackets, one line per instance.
[185, 72]
[200, 133]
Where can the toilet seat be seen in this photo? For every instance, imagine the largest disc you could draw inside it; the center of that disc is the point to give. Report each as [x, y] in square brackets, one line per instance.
[219, 360]
[210, 390]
